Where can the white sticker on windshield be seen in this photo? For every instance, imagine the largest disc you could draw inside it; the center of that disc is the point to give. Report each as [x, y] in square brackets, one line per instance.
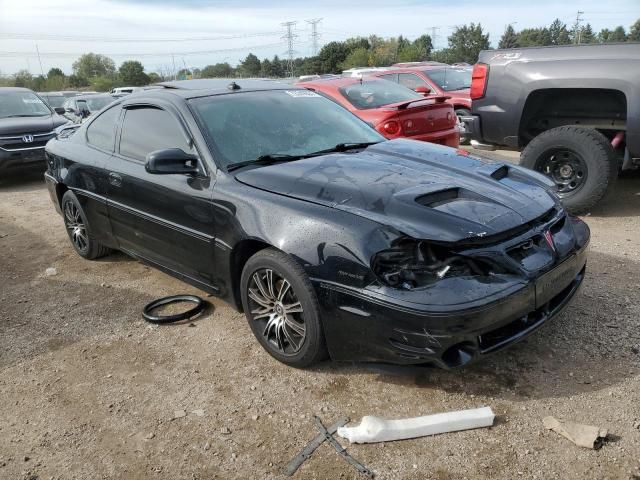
[32, 100]
[302, 93]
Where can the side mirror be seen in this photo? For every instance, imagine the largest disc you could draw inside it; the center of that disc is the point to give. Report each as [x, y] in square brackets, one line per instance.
[59, 110]
[171, 161]
[421, 89]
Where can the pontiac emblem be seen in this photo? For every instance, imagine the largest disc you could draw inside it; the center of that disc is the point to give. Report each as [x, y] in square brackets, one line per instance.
[549, 238]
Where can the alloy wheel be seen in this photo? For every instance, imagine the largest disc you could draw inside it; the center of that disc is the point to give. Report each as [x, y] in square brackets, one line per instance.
[277, 310]
[76, 226]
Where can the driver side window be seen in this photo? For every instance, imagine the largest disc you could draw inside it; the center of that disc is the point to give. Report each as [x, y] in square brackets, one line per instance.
[147, 129]
[101, 133]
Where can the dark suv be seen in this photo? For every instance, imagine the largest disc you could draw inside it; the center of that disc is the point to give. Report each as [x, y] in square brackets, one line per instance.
[27, 123]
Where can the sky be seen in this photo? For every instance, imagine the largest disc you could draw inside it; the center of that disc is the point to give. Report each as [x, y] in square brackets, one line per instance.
[171, 34]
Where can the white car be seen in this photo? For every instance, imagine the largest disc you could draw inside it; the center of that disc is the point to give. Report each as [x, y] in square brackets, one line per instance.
[360, 72]
[121, 90]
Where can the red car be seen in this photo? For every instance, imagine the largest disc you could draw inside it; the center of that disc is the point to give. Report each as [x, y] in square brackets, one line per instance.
[393, 110]
[436, 80]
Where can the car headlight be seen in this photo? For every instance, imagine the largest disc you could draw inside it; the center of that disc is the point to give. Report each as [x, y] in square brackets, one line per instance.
[415, 263]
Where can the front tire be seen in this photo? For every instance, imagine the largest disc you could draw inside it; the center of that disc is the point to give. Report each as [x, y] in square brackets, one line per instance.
[282, 309]
[79, 230]
[581, 161]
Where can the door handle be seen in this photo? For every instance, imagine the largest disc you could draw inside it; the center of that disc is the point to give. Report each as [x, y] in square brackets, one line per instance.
[115, 179]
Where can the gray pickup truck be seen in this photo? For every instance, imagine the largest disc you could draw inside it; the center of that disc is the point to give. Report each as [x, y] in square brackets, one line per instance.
[573, 111]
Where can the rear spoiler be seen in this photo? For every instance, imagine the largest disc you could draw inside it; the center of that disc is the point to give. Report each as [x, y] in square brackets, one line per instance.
[404, 105]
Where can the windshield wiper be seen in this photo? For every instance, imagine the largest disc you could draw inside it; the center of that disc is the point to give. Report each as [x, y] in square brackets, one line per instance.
[265, 160]
[342, 147]
[282, 157]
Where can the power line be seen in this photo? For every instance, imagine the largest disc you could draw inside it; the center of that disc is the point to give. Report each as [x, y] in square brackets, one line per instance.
[140, 54]
[315, 36]
[37, 36]
[290, 36]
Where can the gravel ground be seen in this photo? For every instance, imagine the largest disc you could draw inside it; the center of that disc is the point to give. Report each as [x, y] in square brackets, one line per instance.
[88, 390]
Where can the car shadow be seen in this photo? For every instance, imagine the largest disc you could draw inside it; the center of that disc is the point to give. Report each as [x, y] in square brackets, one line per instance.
[593, 344]
[20, 178]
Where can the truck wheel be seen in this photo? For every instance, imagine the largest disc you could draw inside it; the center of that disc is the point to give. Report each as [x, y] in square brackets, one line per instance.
[463, 112]
[581, 161]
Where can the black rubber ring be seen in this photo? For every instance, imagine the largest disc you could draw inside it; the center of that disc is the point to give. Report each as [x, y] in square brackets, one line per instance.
[149, 317]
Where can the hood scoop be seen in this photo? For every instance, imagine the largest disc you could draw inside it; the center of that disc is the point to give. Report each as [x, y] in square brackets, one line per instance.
[466, 204]
[442, 197]
[500, 173]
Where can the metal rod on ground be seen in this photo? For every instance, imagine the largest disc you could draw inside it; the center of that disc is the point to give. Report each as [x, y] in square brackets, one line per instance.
[299, 459]
[342, 451]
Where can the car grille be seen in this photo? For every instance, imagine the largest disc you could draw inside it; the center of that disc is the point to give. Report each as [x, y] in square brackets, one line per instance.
[536, 253]
[17, 142]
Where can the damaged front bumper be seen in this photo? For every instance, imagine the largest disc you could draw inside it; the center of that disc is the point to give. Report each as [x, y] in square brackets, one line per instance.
[362, 326]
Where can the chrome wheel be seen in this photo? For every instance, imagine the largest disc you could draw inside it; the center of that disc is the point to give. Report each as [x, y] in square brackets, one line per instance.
[274, 305]
[76, 227]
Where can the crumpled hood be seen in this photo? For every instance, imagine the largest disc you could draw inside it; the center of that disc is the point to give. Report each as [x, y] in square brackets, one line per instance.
[423, 190]
[22, 125]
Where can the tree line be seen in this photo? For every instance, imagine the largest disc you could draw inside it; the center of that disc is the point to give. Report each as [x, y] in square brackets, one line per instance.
[99, 72]
[558, 33]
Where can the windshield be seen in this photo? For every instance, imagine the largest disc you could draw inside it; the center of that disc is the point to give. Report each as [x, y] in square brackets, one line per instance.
[22, 104]
[245, 126]
[95, 104]
[377, 93]
[451, 78]
[54, 101]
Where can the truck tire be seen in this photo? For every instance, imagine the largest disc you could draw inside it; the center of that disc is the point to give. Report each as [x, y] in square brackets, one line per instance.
[580, 160]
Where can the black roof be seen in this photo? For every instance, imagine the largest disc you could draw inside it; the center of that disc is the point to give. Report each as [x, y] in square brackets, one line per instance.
[216, 86]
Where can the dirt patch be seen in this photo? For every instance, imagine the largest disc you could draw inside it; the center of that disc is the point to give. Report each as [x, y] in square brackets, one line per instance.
[89, 390]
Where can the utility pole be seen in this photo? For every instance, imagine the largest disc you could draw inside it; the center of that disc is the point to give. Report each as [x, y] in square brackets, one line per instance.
[315, 36]
[39, 61]
[577, 31]
[290, 36]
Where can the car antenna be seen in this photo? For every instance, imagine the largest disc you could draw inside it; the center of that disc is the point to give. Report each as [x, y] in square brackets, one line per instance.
[234, 86]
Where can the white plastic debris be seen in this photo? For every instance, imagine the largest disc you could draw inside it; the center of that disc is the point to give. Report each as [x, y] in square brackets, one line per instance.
[51, 271]
[376, 429]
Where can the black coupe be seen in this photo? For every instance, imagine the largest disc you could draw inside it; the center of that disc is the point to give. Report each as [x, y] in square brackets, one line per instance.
[331, 239]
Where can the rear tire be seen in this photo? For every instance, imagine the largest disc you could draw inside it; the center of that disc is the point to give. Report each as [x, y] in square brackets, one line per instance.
[463, 112]
[79, 230]
[580, 160]
[287, 325]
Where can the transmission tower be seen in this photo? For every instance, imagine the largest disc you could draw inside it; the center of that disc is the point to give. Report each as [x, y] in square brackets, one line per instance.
[315, 36]
[290, 36]
[577, 31]
[434, 35]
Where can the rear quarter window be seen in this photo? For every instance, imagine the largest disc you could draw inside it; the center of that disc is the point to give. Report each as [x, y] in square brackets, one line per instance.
[101, 133]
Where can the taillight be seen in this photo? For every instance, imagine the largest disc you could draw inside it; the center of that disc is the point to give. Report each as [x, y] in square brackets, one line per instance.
[479, 80]
[391, 127]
